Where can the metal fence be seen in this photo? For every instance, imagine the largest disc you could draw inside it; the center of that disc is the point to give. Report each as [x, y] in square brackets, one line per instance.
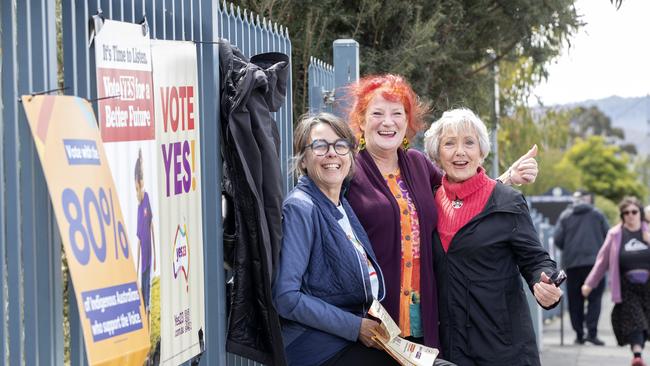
[321, 86]
[31, 326]
[327, 83]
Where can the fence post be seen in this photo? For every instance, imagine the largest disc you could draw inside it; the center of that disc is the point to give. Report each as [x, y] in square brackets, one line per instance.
[346, 71]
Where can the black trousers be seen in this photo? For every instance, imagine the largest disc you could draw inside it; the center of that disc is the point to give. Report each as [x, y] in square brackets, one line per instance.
[575, 279]
[357, 354]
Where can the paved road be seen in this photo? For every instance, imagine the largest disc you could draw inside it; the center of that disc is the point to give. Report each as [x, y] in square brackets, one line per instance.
[554, 354]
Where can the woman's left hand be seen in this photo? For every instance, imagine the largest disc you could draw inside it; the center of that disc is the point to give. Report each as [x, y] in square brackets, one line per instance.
[524, 170]
[545, 292]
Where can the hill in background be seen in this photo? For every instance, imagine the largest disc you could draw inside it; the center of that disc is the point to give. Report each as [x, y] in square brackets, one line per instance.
[630, 114]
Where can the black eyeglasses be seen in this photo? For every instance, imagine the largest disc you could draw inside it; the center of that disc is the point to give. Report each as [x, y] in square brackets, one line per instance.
[321, 147]
[633, 212]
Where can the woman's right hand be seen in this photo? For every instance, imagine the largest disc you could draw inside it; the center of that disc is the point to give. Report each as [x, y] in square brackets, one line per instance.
[366, 334]
[586, 290]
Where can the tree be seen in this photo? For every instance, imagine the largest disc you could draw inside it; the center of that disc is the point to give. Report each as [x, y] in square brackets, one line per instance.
[603, 169]
[642, 168]
[550, 131]
[592, 121]
[440, 46]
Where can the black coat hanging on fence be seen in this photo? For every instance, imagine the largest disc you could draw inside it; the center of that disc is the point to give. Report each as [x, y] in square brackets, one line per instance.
[250, 147]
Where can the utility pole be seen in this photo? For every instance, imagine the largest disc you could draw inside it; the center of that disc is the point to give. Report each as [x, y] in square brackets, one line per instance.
[495, 113]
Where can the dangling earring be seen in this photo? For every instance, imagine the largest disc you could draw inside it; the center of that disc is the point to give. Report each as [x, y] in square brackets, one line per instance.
[362, 143]
[405, 144]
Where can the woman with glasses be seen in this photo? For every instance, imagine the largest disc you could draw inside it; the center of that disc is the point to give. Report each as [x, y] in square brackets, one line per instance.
[626, 255]
[328, 274]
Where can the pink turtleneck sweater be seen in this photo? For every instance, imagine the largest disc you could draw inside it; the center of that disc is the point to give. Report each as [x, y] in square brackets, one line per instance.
[474, 193]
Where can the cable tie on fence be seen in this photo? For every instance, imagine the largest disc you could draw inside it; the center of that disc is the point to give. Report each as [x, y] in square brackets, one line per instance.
[33, 94]
[95, 24]
[145, 25]
[102, 98]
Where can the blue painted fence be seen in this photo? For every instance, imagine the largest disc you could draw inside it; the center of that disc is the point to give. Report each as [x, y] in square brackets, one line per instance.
[320, 82]
[31, 327]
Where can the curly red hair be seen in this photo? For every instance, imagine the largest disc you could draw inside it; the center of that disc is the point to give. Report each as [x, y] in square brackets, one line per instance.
[393, 88]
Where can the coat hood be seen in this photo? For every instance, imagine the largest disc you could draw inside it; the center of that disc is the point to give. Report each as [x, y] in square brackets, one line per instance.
[582, 208]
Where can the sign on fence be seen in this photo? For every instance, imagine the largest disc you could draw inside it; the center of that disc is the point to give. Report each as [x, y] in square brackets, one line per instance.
[127, 124]
[93, 232]
[150, 128]
[179, 177]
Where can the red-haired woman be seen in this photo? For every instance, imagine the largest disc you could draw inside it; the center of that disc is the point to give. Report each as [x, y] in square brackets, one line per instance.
[392, 195]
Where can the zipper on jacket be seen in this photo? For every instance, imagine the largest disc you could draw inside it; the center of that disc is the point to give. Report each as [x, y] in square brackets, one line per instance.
[383, 284]
[363, 279]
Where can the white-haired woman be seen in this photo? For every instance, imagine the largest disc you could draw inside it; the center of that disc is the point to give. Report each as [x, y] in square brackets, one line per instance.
[485, 240]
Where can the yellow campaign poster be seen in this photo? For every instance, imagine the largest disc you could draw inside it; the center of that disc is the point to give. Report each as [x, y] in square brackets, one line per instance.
[92, 228]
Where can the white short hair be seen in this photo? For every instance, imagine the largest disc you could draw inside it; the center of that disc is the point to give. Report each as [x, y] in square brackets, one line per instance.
[452, 122]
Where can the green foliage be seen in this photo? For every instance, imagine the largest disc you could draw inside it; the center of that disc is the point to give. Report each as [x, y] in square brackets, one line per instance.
[154, 315]
[609, 209]
[604, 169]
[440, 46]
[592, 121]
[521, 130]
[641, 166]
[576, 150]
[553, 174]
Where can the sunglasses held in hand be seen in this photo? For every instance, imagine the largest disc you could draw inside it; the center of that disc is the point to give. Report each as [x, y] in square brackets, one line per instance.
[558, 277]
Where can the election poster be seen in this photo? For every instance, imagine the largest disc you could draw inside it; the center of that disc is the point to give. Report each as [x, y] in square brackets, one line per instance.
[128, 129]
[95, 237]
[175, 83]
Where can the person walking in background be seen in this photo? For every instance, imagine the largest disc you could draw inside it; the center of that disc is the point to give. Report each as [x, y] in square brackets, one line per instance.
[626, 255]
[579, 233]
[646, 210]
[485, 241]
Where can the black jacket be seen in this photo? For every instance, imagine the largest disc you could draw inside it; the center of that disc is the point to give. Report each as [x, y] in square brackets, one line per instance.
[484, 315]
[250, 147]
[580, 232]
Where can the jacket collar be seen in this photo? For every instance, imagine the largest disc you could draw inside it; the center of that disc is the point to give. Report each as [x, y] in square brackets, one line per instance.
[307, 185]
[503, 199]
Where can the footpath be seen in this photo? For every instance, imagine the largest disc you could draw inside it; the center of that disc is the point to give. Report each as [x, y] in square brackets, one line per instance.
[569, 354]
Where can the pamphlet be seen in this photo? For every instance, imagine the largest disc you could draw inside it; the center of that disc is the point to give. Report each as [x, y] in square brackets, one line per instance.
[407, 353]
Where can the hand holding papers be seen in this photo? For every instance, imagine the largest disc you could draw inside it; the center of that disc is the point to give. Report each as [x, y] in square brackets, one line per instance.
[405, 352]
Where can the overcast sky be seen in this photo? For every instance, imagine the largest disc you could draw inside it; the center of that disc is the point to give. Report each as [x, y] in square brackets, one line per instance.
[609, 56]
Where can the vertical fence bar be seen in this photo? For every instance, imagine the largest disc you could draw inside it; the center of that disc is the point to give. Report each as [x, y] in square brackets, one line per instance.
[321, 85]
[26, 198]
[47, 308]
[77, 348]
[12, 153]
[79, 72]
[8, 90]
[346, 71]
[178, 20]
[215, 300]
[117, 10]
[48, 250]
[288, 106]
